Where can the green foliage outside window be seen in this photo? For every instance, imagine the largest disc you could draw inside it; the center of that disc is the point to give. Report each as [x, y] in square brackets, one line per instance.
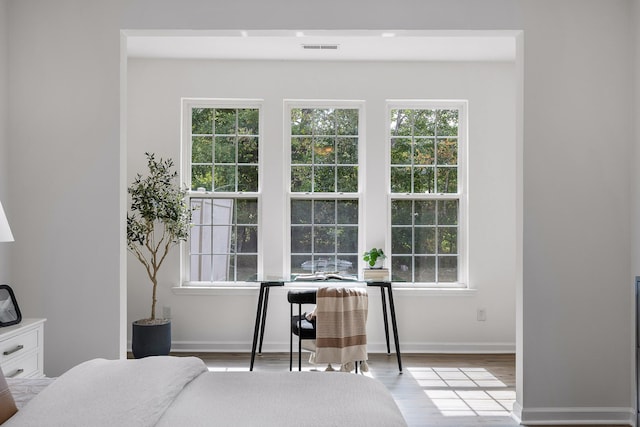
[324, 159]
[424, 161]
[423, 232]
[224, 149]
[324, 150]
[224, 159]
[424, 151]
[324, 235]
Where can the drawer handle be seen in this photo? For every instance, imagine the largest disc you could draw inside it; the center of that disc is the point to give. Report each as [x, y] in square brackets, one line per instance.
[13, 350]
[16, 373]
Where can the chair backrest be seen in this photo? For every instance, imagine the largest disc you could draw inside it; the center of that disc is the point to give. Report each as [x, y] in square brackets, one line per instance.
[305, 296]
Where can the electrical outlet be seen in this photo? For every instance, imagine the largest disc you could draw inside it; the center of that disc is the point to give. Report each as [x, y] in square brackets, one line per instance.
[166, 312]
[482, 315]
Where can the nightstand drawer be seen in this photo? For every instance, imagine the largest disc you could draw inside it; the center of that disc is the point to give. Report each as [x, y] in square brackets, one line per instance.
[21, 367]
[18, 346]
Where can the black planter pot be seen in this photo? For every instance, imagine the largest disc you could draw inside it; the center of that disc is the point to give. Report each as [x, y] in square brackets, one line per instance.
[150, 339]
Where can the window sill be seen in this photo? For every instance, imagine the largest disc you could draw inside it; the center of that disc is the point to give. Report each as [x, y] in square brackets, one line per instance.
[251, 288]
[235, 290]
[400, 291]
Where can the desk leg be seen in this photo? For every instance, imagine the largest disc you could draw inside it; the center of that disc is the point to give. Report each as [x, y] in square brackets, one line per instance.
[299, 337]
[257, 326]
[264, 317]
[395, 327]
[384, 316]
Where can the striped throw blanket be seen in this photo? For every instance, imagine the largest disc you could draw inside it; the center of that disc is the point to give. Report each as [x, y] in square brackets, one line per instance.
[341, 328]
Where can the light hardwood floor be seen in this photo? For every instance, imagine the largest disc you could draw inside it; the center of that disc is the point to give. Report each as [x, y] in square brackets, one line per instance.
[433, 390]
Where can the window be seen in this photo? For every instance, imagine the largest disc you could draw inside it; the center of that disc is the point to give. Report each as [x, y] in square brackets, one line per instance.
[323, 148]
[324, 198]
[427, 192]
[222, 161]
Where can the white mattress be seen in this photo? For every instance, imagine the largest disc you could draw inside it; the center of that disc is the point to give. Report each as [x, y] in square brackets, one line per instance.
[265, 399]
[25, 389]
[179, 391]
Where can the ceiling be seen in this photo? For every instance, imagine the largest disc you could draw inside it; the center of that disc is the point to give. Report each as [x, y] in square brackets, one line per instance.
[324, 45]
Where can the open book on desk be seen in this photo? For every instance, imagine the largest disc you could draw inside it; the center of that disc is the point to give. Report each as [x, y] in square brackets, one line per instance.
[324, 276]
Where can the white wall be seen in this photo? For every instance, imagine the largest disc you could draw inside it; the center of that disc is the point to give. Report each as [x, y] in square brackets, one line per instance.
[578, 135]
[635, 187]
[202, 322]
[576, 315]
[635, 160]
[65, 165]
[4, 143]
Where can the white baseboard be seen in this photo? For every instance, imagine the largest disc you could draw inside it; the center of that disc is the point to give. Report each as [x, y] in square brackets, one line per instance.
[456, 347]
[378, 347]
[213, 347]
[574, 416]
[516, 412]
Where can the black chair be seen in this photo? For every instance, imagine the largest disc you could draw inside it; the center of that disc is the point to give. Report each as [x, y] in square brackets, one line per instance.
[300, 326]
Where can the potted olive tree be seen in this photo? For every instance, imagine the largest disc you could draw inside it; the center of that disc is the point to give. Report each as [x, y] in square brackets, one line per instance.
[158, 219]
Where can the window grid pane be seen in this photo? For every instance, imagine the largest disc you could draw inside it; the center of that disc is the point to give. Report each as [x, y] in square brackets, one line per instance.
[324, 159]
[224, 239]
[324, 236]
[223, 242]
[224, 149]
[424, 240]
[424, 151]
[424, 161]
[324, 150]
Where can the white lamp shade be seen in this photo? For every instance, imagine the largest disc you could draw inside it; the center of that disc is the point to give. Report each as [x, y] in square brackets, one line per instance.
[5, 231]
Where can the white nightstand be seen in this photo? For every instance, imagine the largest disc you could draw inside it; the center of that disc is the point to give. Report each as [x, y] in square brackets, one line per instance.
[21, 349]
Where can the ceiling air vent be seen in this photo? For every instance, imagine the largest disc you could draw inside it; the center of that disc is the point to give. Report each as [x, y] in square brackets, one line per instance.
[320, 46]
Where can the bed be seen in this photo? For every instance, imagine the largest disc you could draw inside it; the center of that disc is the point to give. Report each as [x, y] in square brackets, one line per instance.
[179, 391]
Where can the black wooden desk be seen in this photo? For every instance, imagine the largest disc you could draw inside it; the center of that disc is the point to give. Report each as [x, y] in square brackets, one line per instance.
[386, 291]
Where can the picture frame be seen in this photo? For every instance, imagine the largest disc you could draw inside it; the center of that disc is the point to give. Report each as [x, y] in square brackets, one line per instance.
[9, 310]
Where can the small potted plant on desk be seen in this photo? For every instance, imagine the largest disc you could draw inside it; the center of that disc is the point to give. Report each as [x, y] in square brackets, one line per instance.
[375, 260]
[158, 219]
[374, 257]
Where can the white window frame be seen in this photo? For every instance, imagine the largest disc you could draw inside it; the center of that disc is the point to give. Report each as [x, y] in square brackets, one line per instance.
[290, 104]
[461, 195]
[185, 175]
